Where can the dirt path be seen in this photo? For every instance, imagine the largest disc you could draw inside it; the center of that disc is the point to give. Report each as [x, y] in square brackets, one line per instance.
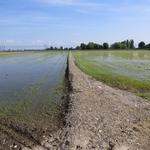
[101, 118]
[104, 118]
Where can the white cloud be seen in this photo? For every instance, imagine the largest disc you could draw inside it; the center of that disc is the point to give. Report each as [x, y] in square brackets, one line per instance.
[78, 3]
[57, 2]
[95, 8]
[39, 42]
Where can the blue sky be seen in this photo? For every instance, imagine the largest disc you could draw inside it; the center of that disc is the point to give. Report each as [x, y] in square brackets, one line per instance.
[68, 22]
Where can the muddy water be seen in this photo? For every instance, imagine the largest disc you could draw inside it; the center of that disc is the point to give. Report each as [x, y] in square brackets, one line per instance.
[31, 90]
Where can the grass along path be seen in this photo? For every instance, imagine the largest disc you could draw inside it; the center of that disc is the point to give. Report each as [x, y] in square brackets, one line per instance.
[129, 70]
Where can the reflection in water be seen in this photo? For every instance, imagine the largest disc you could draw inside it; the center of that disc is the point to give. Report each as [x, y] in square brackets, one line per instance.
[133, 64]
[31, 81]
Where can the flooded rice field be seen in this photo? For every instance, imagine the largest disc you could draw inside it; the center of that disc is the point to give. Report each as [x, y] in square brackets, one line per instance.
[135, 64]
[32, 86]
[129, 70]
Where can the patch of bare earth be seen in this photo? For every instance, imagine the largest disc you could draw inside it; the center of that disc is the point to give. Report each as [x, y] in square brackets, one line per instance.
[104, 118]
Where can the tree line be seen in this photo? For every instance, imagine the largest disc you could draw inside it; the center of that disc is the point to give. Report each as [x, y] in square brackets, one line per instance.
[127, 44]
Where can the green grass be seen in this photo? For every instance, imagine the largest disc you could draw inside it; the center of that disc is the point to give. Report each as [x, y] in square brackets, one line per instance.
[30, 52]
[121, 69]
[9, 53]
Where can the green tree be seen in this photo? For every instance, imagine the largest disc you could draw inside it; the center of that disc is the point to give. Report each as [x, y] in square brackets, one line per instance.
[55, 48]
[105, 45]
[83, 46]
[78, 48]
[66, 48]
[51, 48]
[141, 45]
[96, 46]
[123, 46]
[128, 44]
[132, 44]
[90, 45]
[147, 46]
[61, 48]
[116, 45]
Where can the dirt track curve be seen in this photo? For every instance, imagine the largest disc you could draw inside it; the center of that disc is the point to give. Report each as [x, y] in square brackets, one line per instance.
[101, 117]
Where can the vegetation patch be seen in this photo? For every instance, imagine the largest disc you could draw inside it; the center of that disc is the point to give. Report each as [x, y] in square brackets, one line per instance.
[129, 70]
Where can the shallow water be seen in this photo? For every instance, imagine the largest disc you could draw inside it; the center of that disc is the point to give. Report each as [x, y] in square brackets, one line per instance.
[31, 81]
[133, 64]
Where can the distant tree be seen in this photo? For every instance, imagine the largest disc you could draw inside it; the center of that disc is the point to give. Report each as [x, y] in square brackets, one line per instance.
[141, 45]
[116, 45]
[83, 46]
[61, 48]
[105, 45]
[55, 48]
[51, 48]
[128, 44]
[91, 45]
[66, 48]
[131, 44]
[147, 46]
[97, 46]
[78, 48]
[124, 46]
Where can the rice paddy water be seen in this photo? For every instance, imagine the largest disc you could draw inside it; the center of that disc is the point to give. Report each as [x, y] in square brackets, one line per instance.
[32, 86]
[128, 70]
